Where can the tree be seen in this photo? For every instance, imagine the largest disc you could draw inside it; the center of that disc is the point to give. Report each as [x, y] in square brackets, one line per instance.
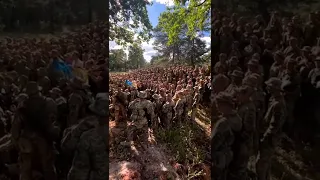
[185, 48]
[135, 58]
[117, 60]
[128, 18]
[195, 14]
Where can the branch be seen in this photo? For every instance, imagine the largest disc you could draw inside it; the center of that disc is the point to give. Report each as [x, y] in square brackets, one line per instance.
[200, 3]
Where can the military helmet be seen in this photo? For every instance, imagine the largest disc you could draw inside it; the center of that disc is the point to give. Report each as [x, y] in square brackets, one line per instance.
[274, 83]
[33, 88]
[142, 94]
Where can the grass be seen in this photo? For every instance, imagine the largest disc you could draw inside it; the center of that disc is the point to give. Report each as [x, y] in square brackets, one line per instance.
[189, 143]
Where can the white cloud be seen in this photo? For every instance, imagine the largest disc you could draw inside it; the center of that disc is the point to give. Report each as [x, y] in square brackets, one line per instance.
[165, 2]
[207, 39]
[146, 46]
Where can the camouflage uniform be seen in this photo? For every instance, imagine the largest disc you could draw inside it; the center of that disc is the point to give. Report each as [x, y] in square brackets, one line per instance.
[90, 160]
[196, 100]
[219, 84]
[273, 122]
[77, 101]
[141, 111]
[223, 136]
[243, 143]
[235, 75]
[179, 108]
[167, 110]
[258, 99]
[34, 137]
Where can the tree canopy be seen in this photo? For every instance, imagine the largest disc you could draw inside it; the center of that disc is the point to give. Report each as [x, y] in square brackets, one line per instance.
[128, 18]
[195, 14]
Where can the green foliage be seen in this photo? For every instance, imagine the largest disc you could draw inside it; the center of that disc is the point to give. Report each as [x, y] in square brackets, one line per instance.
[135, 58]
[117, 60]
[128, 18]
[195, 15]
[183, 143]
[185, 49]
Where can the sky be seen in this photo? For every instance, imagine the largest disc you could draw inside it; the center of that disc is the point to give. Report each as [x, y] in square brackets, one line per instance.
[154, 12]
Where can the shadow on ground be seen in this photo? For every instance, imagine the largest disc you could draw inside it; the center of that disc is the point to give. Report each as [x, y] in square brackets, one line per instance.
[181, 152]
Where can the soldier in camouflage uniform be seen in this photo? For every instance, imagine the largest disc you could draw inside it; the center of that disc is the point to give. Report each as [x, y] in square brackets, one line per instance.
[91, 156]
[272, 125]
[196, 100]
[167, 110]
[236, 81]
[179, 107]
[258, 99]
[77, 102]
[219, 83]
[243, 143]
[141, 110]
[33, 133]
[223, 136]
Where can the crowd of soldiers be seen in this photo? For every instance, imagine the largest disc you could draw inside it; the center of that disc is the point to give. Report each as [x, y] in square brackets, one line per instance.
[158, 97]
[264, 76]
[54, 126]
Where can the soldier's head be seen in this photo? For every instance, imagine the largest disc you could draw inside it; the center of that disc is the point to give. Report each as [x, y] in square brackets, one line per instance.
[237, 77]
[274, 86]
[100, 106]
[223, 57]
[278, 57]
[306, 51]
[33, 89]
[55, 93]
[251, 80]
[253, 65]
[234, 61]
[244, 93]
[220, 83]
[224, 102]
[142, 95]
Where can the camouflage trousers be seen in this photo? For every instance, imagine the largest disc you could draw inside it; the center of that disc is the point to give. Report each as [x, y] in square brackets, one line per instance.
[238, 166]
[36, 153]
[166, 120]
[220, 164]
[265, 155]
[138, 132]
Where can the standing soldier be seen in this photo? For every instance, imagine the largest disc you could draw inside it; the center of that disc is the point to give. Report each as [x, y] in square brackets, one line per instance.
[243, 143]
[196, 100]
[223, 136]
[167, 110]
[33, 133]
[142, 110]
[236, 81]
[273, 122]
[178, 108]
[90, 161]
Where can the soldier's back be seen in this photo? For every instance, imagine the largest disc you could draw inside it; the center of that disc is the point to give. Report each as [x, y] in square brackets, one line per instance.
[91, 158]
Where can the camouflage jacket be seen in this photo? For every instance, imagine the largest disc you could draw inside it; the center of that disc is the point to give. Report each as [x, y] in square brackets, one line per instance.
[91, 159]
